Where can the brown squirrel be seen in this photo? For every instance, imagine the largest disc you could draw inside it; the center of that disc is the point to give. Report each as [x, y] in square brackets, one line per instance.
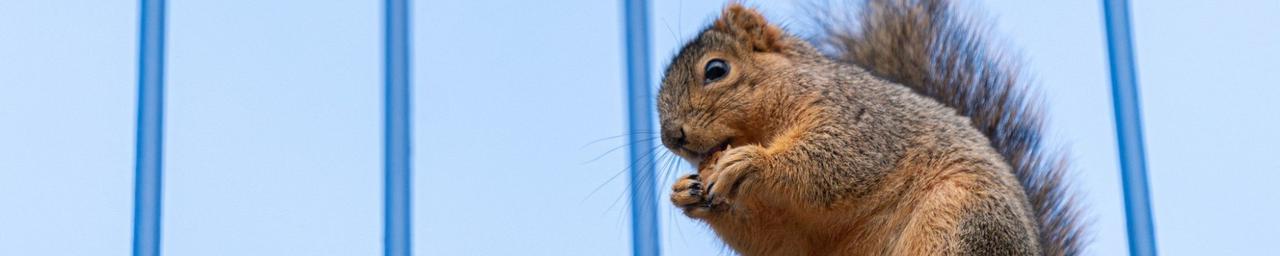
[911, 138]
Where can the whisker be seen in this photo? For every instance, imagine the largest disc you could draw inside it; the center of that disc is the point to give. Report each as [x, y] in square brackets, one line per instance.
[616, 149]
[615, 136]
[644, 180]
[619, 173]
[671, 165]
[650, 181]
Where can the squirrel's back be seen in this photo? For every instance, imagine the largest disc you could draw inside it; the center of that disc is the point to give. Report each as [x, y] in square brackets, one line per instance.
[939, 52]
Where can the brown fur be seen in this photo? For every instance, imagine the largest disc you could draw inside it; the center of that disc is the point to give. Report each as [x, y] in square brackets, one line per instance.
[941, 52]
[824, 158]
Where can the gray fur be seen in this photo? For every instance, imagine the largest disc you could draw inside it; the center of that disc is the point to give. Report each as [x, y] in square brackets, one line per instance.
[940, 52]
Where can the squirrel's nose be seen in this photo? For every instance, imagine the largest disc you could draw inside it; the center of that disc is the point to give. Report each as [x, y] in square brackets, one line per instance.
[680, 139]
[674, 138]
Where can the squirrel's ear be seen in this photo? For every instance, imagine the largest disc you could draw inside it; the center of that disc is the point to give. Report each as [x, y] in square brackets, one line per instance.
[751, 27]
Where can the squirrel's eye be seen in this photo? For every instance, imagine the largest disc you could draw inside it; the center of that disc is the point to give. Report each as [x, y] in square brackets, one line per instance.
[716, 69]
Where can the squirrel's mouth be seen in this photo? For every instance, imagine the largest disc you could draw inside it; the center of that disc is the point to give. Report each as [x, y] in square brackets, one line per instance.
[710, 155]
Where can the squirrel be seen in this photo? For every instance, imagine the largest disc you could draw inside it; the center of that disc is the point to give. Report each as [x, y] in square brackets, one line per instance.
[906, 134]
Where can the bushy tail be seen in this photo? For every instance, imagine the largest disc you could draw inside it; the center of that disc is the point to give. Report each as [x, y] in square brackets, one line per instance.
[932, 47]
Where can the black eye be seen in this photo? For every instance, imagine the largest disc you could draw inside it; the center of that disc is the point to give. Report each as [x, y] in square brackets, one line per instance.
[716, 70]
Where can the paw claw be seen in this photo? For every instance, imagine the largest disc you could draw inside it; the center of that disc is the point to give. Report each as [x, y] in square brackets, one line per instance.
[688, 193]
[729, 172]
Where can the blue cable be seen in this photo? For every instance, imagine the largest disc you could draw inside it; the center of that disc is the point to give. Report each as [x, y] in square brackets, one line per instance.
[1133, 162]
[397, 228]
[149, 141]
[644, 206]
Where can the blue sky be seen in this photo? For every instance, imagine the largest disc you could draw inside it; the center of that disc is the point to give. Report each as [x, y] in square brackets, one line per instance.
[273, 124]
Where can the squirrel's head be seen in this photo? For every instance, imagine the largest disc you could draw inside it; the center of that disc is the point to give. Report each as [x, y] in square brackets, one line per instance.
[713, 90]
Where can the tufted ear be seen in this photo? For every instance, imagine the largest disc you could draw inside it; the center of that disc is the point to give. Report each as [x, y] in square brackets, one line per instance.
[750, 26]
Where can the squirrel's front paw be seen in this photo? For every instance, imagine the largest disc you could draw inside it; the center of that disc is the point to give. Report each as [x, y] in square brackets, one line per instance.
[729, 171]
[687, 194]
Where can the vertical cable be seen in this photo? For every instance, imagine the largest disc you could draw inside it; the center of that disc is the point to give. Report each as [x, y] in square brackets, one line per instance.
[397, 228]
[1133, 162]
[148, 151]
[644, 205]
